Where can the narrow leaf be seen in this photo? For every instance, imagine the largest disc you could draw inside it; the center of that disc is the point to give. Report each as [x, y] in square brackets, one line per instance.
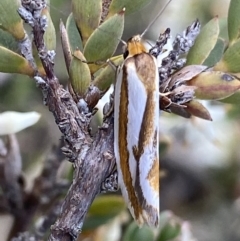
[214, 85]
[87, 15]
[50, 33]
[216, 53]
[170, 226]
[234, 21]
[79, 72]
[65, 45]
[170, 231]
[233, 99]
[107, 75]
[100, 213]
[134, 233]
[185, 74]
[230, 60]
[10, 20]
[223, 28]
[204, 43]
[103, 42]
[11, 62]
[8, 41]
[195, 108]
[130, 6]
[73, 34]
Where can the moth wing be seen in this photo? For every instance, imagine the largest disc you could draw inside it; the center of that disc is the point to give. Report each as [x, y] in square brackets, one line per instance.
[126, 164]
[143, 122]
[130, 108]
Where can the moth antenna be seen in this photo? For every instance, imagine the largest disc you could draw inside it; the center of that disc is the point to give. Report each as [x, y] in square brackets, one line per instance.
[157, 16]
[123, 42]
[120, 40]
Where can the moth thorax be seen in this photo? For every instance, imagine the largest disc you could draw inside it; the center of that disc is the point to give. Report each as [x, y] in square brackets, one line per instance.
[135, 46]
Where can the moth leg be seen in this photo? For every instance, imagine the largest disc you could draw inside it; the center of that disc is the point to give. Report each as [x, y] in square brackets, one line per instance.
[165, 94]
[111, 63]
[108, 107]
[164, 100]
[97, 62]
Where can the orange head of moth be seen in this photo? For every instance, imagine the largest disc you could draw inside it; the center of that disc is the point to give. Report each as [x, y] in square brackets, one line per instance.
[134, 46]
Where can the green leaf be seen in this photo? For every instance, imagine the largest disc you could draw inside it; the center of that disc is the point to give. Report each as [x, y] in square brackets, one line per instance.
[107, 75]
[130, 6]
[233, 99]
[8, 41]
[223, 28]
[134, 233]
[214, 85]
[170, 231]
[75, 39]
[165, 217]
[234, 21]
[79, 73]
[204, 43]
[11, 62]
[50, 33]
[87, 15]
[103, 42]
[103, 209]
[169, 226]
[65, 45]
[230, 60]
[216, 53]
[10, 20]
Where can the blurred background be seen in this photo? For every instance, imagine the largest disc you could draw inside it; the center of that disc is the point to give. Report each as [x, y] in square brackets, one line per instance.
[199, 159]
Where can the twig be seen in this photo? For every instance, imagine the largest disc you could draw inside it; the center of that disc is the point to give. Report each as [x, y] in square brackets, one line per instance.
[90, 156]
[46, 189]
[11, 175]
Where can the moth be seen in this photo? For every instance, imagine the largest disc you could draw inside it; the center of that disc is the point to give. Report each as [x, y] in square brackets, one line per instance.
[136, 113]
[136, 130]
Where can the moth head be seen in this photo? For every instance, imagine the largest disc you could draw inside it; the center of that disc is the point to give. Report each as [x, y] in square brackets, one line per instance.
[134, 46]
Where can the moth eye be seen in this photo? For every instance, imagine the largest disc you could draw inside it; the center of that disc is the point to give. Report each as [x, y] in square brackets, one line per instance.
[125, 51]
[125, 54]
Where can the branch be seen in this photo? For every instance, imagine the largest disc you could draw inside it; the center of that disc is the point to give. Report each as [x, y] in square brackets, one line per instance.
[89, 156]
